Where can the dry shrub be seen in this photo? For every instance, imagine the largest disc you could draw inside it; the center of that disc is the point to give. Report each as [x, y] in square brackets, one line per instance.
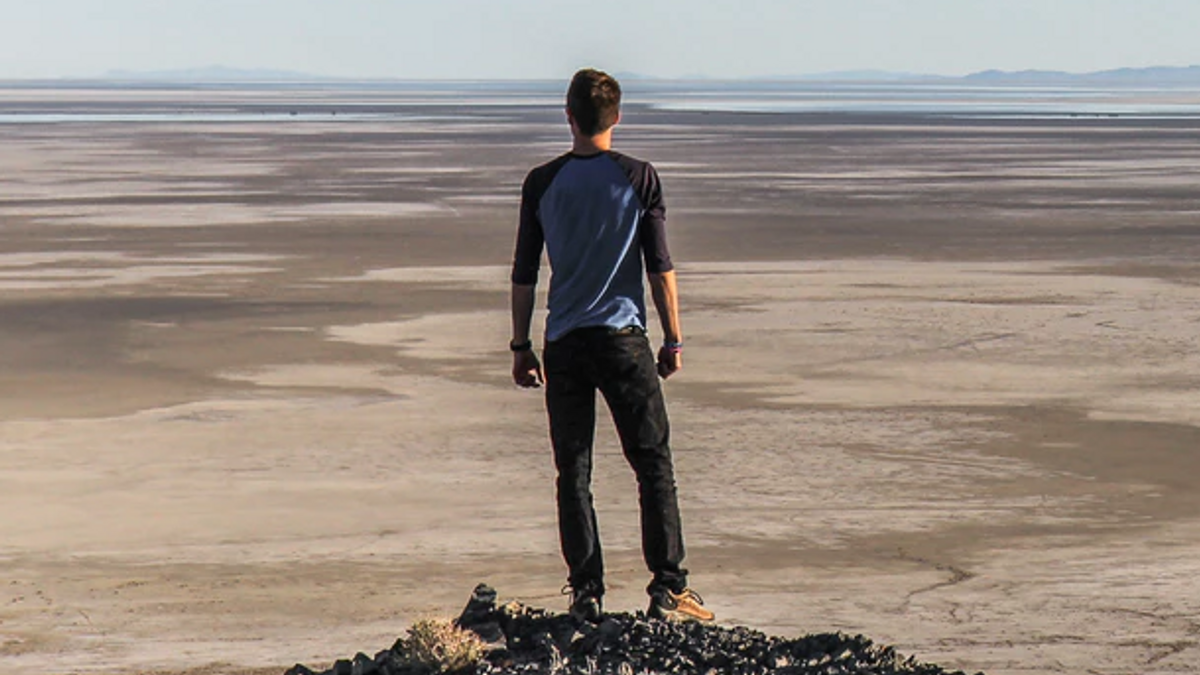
[442, 646]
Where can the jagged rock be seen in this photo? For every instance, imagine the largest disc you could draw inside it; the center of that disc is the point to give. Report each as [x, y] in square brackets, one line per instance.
[480, 617]
[364, 665]
[534, 641]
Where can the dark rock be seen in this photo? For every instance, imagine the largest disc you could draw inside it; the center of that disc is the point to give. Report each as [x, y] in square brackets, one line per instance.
[480, 617]
[387, 662]
[534, 641]
[500, 657]
[363, 665]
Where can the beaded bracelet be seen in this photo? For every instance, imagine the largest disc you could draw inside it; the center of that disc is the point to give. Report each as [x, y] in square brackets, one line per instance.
[673, 347]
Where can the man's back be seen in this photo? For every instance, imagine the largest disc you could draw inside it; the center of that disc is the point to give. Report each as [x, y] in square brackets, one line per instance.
[598, 215]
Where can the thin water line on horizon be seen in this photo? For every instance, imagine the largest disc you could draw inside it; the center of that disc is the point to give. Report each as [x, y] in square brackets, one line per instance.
[972, 101]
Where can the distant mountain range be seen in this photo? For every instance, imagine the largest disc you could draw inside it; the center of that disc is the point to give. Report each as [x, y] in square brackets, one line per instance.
[1160, 75]
[1150, 76]
[214, 74]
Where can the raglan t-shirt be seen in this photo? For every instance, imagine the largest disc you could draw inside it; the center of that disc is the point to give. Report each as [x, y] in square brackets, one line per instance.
[601, 220]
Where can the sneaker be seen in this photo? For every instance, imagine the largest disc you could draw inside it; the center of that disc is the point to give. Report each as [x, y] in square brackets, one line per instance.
[684, 606]
[586, 604]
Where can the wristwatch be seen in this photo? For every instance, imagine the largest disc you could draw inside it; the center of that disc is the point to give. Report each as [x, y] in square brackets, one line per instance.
[521, 347]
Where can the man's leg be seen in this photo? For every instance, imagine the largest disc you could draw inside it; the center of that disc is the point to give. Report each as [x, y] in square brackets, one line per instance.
[631, 387]
[571, 405]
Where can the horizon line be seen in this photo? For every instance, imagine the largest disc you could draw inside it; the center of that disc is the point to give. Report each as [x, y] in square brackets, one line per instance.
[221, 74]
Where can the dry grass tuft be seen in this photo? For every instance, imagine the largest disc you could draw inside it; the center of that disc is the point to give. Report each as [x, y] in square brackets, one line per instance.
[442, 646]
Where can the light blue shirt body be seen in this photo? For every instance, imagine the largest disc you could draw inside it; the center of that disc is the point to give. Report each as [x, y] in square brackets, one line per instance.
[601, 219]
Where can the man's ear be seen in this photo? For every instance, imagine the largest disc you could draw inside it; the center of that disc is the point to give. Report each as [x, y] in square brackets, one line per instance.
[618, 120]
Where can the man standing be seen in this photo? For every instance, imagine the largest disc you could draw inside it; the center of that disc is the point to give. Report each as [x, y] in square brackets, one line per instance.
[601, 219]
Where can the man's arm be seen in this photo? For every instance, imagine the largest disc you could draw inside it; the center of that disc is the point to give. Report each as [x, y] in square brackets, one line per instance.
[526, 371]
[527, 258]
[665, 293]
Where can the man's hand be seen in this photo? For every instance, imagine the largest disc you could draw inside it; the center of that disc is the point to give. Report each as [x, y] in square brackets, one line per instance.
[666, 300]
[527, 370]
[669, 361]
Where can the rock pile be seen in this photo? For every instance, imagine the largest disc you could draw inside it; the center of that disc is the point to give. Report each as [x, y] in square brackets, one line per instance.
[526, 640]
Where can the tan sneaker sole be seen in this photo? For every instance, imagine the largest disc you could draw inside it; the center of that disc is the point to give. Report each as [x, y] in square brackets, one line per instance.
[685, 609]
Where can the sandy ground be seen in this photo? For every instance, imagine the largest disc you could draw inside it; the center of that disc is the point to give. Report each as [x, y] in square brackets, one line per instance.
[940, 387]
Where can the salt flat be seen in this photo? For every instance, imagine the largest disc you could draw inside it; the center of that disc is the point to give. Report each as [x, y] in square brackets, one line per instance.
[940, 386]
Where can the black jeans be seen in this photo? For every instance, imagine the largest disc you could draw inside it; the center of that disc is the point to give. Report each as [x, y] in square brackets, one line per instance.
[621, 365]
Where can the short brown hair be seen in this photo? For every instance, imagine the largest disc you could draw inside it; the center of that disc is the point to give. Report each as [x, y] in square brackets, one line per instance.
[594, 100]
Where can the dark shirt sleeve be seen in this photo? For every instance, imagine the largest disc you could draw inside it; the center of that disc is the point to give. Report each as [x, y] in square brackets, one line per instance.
[653, 228]
[527, 259]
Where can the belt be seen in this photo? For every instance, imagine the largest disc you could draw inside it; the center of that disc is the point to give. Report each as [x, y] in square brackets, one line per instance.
[609, 330]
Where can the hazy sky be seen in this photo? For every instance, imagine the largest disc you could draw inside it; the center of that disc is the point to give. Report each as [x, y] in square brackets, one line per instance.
[551, 38]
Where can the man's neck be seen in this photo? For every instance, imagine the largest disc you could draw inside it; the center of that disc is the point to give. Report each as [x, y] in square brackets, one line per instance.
[592, 145]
